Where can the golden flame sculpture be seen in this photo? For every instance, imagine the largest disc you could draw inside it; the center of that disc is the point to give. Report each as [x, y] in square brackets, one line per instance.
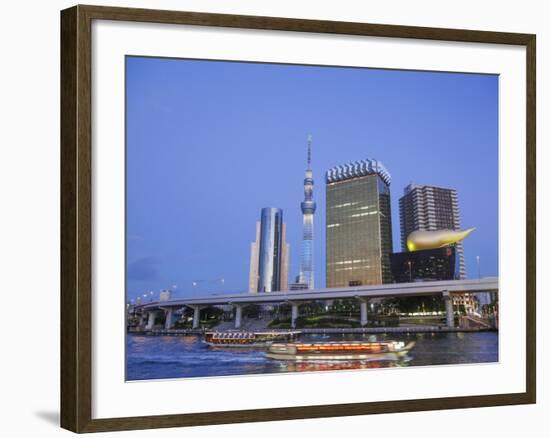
[418, 240]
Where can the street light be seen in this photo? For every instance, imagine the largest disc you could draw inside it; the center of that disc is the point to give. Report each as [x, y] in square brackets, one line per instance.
[478, 270]
[410, 272]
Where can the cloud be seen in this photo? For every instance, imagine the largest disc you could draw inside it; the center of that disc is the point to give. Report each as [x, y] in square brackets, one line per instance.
[143, 269]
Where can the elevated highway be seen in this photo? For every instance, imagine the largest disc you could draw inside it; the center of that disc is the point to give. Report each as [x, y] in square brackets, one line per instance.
[294, 298]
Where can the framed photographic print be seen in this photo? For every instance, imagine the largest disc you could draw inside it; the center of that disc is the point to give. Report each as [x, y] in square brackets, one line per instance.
[270, 218]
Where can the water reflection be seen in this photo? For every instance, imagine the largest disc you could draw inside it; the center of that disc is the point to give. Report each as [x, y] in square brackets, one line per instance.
[299, 366]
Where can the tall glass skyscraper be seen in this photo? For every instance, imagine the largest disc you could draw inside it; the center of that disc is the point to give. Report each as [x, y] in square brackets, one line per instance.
[430, 208]
[359, 231]
[269, 253]
[308, 210]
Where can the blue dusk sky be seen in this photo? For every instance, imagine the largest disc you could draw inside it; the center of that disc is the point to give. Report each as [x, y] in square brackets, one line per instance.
[210, 143]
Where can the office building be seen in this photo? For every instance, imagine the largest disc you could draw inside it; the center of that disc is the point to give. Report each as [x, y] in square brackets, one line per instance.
[430, 208]
[358, 224]
[269, 254]
[165, 295]
[424, 265]
[467, 303]
[297, 285]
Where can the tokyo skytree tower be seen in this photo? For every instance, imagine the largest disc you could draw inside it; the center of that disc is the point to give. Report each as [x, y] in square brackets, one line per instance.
[308, 209]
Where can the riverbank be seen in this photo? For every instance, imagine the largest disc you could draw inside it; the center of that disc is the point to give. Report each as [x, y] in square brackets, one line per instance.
[323, 331]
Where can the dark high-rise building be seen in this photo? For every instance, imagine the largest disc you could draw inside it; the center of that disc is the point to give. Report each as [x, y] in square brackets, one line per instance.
[424, 265]
[269, 253]
[430, 208]
[359, 231]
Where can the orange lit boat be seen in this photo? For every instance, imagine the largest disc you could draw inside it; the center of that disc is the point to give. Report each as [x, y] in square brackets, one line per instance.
[387, 350]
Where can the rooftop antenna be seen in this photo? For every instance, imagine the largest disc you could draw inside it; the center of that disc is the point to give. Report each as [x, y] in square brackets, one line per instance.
[309, 138]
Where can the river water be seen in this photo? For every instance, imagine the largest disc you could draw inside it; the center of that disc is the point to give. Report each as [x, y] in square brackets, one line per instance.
[162, 357]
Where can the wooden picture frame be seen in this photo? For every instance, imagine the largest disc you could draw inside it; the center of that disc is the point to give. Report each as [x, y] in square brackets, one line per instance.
[76, 217]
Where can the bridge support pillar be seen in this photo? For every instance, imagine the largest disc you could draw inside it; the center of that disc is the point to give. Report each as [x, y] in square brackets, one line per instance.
[152, 315]
[294, 315]
[168, 323]
[142, 319]
[238, 316]
[364, 313]
[449, 312]
[196, 316]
